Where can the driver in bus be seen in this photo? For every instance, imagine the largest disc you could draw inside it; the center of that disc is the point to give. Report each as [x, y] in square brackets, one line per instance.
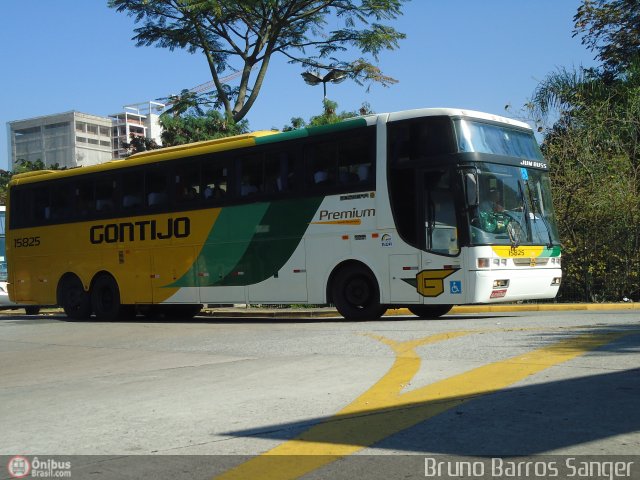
[492, 204]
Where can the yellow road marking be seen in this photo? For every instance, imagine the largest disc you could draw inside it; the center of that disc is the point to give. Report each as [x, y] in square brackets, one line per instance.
[384, 410]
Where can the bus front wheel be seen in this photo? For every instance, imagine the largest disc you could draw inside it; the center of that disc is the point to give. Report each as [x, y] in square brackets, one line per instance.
[73, 299]
[105, 298]
[355, 293]
[430, 311]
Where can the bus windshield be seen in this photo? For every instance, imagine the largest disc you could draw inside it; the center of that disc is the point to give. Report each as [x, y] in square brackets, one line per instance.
[481, 137]
[514, 208]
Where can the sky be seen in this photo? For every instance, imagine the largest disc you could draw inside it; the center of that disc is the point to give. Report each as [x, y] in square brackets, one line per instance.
[63, 55]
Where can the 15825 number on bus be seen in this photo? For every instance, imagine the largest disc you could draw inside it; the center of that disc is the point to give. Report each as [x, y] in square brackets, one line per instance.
[26, 242]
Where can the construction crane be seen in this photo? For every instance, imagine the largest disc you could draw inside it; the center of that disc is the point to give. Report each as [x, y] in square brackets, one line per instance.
[203, 87]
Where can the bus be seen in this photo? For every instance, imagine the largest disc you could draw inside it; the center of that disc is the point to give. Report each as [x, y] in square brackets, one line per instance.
[423, 209]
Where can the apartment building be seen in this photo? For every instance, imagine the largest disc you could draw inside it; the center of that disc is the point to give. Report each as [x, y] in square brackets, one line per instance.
[75, 139]
[69, 139]
[137, 120]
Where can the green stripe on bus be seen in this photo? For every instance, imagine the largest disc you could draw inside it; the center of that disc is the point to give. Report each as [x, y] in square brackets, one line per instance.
[226, 244]
[250, 243]
[312, 131]
[276, 238]
[281, 137]
[337, 127]
[552, 252]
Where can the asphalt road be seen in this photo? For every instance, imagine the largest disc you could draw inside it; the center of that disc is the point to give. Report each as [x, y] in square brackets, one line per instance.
[318, 395]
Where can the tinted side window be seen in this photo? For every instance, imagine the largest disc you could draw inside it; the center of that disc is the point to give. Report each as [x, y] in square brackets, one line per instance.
[215, 181]
[418, 140]
[187, 183]
[156, 187]
[251, 175]
[321, 164]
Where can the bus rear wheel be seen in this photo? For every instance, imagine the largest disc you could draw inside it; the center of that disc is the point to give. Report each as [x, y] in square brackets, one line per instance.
[105, 298]
[430, 311]
[73, 299]
[355, 293]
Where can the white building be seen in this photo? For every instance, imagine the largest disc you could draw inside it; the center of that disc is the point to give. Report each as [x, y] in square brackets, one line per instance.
[138, 120]
[74, 139]
[69, 139]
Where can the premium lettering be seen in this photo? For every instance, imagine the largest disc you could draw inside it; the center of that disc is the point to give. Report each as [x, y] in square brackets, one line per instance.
[347, 214]
[140, 231]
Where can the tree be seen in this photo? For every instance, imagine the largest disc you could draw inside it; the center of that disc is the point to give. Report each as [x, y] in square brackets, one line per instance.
[244, 35]
[140, 144]
[612, 28]
[593, 148]
[328, 116]
[21, 166]
[192, 126]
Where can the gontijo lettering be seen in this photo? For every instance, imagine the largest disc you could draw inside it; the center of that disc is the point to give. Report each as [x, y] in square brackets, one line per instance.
[141, 230]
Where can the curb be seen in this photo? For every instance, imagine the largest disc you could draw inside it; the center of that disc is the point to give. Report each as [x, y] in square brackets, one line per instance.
[241, 312]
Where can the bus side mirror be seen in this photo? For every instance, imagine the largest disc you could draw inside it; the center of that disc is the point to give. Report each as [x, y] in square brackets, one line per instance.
[471, 189]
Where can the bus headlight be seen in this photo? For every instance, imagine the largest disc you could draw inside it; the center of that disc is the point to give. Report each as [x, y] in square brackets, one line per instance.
[556, 281]
[500, 283]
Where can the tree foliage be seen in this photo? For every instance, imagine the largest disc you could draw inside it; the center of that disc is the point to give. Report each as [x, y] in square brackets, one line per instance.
[192, 125]
[611, 28]
[243, 36]
[593, 148]
[22, 166]
[328, 116]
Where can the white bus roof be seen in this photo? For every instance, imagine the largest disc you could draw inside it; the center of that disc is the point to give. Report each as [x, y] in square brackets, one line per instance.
[454, 112]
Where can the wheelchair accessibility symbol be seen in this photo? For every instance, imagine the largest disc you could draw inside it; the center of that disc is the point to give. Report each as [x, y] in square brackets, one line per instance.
[455, 287]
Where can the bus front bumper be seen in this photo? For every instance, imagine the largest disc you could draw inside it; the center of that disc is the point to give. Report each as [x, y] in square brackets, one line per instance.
[507, 285]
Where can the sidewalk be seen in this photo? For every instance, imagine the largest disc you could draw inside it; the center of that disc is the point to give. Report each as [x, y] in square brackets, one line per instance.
[259, 312]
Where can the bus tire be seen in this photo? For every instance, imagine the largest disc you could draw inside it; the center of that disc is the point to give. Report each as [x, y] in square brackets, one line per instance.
[105, 297]
[429, 311]
[73, 299]
[355, 293]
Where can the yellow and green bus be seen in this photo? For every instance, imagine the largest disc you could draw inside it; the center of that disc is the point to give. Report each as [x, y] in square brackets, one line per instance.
[423, 209]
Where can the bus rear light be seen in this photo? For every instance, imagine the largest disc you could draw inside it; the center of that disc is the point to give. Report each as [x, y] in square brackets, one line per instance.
[556, 281]
[484, 262]
[500, 283]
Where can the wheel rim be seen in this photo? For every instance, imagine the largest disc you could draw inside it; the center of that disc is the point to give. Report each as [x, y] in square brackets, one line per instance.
[105, 299]
[73, 298]
[358, 292]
